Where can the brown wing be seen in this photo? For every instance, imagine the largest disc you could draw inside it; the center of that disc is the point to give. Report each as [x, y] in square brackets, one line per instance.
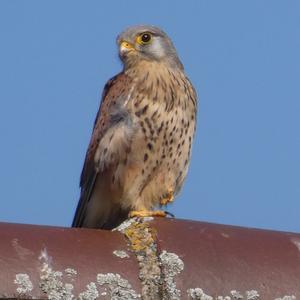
[113, 97]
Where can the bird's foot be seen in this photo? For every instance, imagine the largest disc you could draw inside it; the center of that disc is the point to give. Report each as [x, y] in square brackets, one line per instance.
[147, 213]
[168, 197]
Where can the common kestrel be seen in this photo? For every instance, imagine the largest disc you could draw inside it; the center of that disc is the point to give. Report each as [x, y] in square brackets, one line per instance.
[140, 148]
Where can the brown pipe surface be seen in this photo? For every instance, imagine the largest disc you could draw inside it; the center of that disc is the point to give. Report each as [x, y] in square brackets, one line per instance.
[192, 260]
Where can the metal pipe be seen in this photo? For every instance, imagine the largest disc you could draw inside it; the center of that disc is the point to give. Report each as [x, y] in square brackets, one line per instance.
[149, 259]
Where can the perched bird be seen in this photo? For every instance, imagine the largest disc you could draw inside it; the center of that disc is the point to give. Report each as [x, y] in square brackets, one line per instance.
[140, 148]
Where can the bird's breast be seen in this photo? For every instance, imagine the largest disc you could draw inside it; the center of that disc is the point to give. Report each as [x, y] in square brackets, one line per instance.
[162, 106]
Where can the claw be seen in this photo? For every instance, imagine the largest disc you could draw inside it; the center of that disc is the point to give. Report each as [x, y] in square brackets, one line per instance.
[147, 213]
[169, 197]
[170, 214]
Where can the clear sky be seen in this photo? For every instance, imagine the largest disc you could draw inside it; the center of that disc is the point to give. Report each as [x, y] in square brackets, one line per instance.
[243, 58]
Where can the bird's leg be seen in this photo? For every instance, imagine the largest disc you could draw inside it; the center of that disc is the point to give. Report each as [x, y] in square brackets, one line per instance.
[168, 197]
[147, 213]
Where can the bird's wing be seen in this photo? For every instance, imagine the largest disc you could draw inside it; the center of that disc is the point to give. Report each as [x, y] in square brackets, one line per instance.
[101, 153]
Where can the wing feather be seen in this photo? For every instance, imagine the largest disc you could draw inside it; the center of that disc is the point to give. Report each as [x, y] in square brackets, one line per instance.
[111, 111]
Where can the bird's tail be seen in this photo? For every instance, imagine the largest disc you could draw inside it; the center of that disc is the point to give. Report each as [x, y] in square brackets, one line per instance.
[100, 207]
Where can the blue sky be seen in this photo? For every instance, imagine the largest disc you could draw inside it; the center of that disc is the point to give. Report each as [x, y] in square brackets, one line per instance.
[243, 58]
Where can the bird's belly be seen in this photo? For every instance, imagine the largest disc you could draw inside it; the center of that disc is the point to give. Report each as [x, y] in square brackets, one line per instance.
[145, 186]
[155, 166]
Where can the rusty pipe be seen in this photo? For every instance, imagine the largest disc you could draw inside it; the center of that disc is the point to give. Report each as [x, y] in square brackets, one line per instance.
[149, 259]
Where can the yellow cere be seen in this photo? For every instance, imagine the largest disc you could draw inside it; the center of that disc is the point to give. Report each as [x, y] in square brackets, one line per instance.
[127, 45]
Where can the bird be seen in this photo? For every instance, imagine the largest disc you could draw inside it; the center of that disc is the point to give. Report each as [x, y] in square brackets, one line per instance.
[140, 148]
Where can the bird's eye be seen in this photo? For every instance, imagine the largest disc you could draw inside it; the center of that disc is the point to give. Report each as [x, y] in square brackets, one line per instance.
[144, 38]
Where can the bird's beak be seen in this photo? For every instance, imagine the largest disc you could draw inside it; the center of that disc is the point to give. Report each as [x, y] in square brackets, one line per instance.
[126, 47]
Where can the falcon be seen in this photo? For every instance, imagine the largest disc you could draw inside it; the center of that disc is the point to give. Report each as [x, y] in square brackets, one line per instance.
[141, 143]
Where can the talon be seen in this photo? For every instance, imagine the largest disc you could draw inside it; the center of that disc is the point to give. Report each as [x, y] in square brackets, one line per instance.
[170, 214]
[169, 198]
[147, 213]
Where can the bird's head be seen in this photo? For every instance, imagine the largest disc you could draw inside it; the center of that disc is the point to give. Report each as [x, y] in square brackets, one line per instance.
[146, 42]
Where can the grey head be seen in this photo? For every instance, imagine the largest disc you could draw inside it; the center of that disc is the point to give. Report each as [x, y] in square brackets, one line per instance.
[146, 42]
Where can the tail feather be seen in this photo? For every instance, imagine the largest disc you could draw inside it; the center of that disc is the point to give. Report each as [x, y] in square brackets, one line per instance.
[101, 207]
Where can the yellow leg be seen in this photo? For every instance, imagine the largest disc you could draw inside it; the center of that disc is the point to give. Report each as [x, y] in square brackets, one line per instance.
[147, 213]
[168, 198]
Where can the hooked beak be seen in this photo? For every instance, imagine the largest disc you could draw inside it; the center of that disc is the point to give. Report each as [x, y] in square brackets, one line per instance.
[125, 47]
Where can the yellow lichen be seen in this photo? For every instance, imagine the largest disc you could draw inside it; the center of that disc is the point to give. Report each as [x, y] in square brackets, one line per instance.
[142, 242]
[140, 235]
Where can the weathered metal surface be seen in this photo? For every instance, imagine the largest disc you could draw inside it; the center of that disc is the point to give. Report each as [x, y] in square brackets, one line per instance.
[149, 259]
[220, 259]
[26, 249]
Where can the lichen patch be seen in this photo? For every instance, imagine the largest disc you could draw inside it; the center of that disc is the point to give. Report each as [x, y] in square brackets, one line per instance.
[172, 265]
[198, 294]
[236, 295]
[70, 272]
[24, 283]
[117, 287]
[51, 282]
[91, 292]
[125, 224]
[252, 295]
[142, 242]
[121, 253]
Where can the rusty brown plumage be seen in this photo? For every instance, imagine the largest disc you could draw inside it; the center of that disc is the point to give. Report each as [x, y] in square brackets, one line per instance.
[140, 148]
